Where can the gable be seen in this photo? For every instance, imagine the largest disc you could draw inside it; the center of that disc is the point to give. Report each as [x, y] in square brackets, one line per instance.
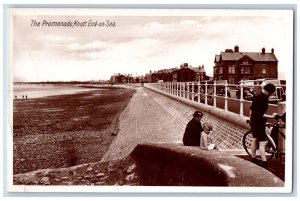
[246, 59]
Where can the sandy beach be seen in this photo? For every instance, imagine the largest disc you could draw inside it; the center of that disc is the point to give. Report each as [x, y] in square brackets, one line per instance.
[66, 130]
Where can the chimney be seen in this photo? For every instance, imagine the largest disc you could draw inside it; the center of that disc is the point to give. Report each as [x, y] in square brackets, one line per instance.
[236, 48]
[263, 50]
[272, 50]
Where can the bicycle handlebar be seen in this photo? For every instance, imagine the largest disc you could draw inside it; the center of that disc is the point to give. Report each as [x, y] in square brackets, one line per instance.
[273, 116]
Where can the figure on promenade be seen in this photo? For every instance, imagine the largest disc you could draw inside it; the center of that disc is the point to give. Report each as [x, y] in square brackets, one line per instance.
[206, 142]
[258, 108]
[192, 133]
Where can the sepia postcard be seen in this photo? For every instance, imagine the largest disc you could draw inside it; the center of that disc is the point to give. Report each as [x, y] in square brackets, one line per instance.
[102, 100]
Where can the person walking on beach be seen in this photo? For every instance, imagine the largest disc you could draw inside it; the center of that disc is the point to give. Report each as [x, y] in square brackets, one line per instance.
[258, 108]
[192, 133]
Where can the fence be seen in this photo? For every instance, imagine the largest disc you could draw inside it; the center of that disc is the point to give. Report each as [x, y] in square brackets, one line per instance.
[229, 97]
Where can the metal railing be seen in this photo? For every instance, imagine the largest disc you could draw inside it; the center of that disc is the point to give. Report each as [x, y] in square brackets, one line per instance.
[229, 97]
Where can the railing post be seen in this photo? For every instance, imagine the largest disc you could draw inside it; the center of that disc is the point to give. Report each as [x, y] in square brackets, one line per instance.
[188, 91]
[205, 92]
[226, 97]
[199, 95]
[181, 89]
[215, 94]
[193, 93]
[172, 89]
[241, 99]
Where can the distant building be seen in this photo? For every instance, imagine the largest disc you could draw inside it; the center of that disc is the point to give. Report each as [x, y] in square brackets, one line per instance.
[165, 75]
[233, 65]
[182, 74]
[190, 74]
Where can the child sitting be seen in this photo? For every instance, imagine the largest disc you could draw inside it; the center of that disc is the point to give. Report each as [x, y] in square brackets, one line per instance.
[205, 140]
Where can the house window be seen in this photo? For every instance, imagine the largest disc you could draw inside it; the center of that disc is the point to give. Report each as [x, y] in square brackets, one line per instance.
[245, 70]
[216, 70]
[220, 70]
[254, 71]
[231, 69]
[264, 71]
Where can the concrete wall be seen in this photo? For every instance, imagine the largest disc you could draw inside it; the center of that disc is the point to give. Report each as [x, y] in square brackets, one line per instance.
[228, 127]
[179, 165]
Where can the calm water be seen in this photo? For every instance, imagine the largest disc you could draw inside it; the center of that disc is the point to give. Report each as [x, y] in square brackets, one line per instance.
[41, 90]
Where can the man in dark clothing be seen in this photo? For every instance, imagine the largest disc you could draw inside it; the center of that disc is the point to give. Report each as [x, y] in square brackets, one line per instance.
[193, 130]
[258, 123]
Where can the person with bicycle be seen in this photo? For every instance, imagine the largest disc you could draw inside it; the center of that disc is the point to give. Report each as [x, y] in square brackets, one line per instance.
[258, 108]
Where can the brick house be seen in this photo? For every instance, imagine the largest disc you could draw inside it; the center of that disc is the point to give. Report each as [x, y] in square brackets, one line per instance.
[189, 74]
[233, 65]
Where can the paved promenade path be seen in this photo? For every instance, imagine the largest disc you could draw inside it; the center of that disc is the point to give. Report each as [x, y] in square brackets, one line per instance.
[149, 117]
[153, 118]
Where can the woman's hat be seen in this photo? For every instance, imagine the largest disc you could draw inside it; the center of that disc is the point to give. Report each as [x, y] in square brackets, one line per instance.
[198, 114]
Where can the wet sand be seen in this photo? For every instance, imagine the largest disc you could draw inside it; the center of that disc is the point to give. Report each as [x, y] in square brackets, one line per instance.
[66, 130]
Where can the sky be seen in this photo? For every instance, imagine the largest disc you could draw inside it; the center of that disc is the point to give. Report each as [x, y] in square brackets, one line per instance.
[140, 41]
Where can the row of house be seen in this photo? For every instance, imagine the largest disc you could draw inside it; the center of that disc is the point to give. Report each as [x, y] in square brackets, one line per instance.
[231, 65]
[184, 73]
[127, 78]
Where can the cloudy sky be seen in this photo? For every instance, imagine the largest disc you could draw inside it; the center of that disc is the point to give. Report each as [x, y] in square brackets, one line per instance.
[140, 41]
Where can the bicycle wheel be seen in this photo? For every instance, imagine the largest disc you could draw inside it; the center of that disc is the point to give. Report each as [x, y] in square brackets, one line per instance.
[247, 142]
[247, 138]
[270, 148]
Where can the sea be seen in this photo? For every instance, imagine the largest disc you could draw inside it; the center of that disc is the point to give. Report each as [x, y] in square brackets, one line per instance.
[41, 90]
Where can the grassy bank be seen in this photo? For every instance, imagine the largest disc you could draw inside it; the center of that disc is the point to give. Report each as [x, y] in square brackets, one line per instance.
[66, 130]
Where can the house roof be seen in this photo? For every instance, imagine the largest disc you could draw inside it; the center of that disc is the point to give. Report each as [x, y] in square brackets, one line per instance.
[198, 69]
[217, 58]
[256, 56]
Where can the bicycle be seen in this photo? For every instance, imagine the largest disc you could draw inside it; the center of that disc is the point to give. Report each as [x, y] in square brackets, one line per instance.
[272, 144]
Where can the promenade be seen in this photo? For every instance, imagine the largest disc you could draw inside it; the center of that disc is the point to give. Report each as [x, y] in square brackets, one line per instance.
[154, 118]
[149, 117]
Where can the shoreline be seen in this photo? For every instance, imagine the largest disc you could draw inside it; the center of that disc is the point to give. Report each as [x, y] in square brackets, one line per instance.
[33, 91]
[66, 130]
